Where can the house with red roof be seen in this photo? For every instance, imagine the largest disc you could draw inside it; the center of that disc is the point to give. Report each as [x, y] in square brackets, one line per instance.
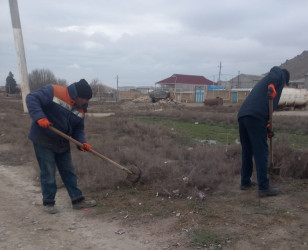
[189, 88]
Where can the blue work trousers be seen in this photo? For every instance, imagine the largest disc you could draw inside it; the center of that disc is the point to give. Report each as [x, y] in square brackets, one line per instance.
[48, 161]
[253, 138]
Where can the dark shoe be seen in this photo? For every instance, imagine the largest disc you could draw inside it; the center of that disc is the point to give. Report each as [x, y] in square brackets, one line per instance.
[246, 187]
[268, 192]
[50, 209]
[84, 204]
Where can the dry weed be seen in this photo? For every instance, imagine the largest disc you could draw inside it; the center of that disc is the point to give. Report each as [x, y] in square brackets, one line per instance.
[168, 165]
[292, 163]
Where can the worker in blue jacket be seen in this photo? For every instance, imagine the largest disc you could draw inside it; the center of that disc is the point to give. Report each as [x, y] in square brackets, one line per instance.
[64, 108]
[253, 119]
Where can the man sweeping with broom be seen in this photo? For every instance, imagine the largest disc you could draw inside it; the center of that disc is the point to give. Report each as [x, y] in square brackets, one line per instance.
[254, 128]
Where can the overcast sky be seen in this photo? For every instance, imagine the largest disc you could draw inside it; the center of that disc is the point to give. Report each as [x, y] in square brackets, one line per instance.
[145, 41]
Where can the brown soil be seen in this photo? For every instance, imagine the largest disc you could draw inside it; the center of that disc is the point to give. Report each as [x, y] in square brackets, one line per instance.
[238, 219]
[24, 225]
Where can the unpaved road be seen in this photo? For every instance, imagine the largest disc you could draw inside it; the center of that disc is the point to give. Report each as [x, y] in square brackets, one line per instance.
[247, 223]
[24, 225]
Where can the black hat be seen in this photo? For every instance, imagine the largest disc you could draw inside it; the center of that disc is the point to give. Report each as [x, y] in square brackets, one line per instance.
[286, 76]
[83, 89]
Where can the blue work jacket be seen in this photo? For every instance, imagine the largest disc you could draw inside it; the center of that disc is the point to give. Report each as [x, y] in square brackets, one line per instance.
[257, 103]
[56, 103]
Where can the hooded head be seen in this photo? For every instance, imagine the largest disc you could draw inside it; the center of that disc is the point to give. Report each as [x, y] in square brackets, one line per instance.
[286, 76]
[83, 89]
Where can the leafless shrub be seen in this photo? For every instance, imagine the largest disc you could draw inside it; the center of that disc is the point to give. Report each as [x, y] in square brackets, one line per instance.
[14, 131]
[297, 123]
[169, 165]
[98, 88]
[292, 162]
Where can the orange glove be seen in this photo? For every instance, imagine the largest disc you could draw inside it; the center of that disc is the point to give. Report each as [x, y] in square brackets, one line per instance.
[271, 91]
[44, 123]
[270, 132]
[86, 147]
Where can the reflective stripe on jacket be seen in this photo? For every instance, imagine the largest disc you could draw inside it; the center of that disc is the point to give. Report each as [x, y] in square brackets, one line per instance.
[56, 103]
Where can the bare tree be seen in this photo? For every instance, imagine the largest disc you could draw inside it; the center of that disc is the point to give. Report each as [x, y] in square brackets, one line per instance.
[98, 88]
[42, 77]
[61, 82]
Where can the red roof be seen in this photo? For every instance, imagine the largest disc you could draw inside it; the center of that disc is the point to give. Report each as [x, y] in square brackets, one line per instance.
[187, 79]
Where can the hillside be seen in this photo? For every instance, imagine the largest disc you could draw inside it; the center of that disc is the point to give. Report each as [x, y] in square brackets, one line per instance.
[298, 66]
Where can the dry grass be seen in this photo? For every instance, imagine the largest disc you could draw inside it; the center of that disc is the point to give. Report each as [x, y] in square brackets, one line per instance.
[296, 124]
[169, 165]
[292, 162]
[177, 175]
[14, 129]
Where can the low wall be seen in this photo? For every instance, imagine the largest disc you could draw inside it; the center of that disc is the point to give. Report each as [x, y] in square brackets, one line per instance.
[130, 95]
[241, 96]
[224, 94]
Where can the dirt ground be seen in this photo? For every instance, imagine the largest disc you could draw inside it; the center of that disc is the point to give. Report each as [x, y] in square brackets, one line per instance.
[137, 218]
[232, 220]
[24, 225]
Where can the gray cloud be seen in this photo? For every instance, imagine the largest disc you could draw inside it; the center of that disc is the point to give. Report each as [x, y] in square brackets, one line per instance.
[146, 41]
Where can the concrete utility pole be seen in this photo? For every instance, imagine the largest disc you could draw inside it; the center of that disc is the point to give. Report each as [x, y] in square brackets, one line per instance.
[238, 79]
[219, 72]
[19, 44]
[117, 95]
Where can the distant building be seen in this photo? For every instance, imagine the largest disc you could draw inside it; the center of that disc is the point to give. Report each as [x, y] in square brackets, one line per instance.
[126, 88]
[132, 92]
[242, 81]
[300, 83]
[184, 83]
[186, 88]
[145, 89]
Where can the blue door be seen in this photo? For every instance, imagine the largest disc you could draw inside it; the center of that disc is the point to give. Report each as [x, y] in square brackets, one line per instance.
[234, 97]
[199, 94]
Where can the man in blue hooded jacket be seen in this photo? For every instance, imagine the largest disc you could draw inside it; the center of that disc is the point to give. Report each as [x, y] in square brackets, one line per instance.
[64, 108]
[253, 119]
